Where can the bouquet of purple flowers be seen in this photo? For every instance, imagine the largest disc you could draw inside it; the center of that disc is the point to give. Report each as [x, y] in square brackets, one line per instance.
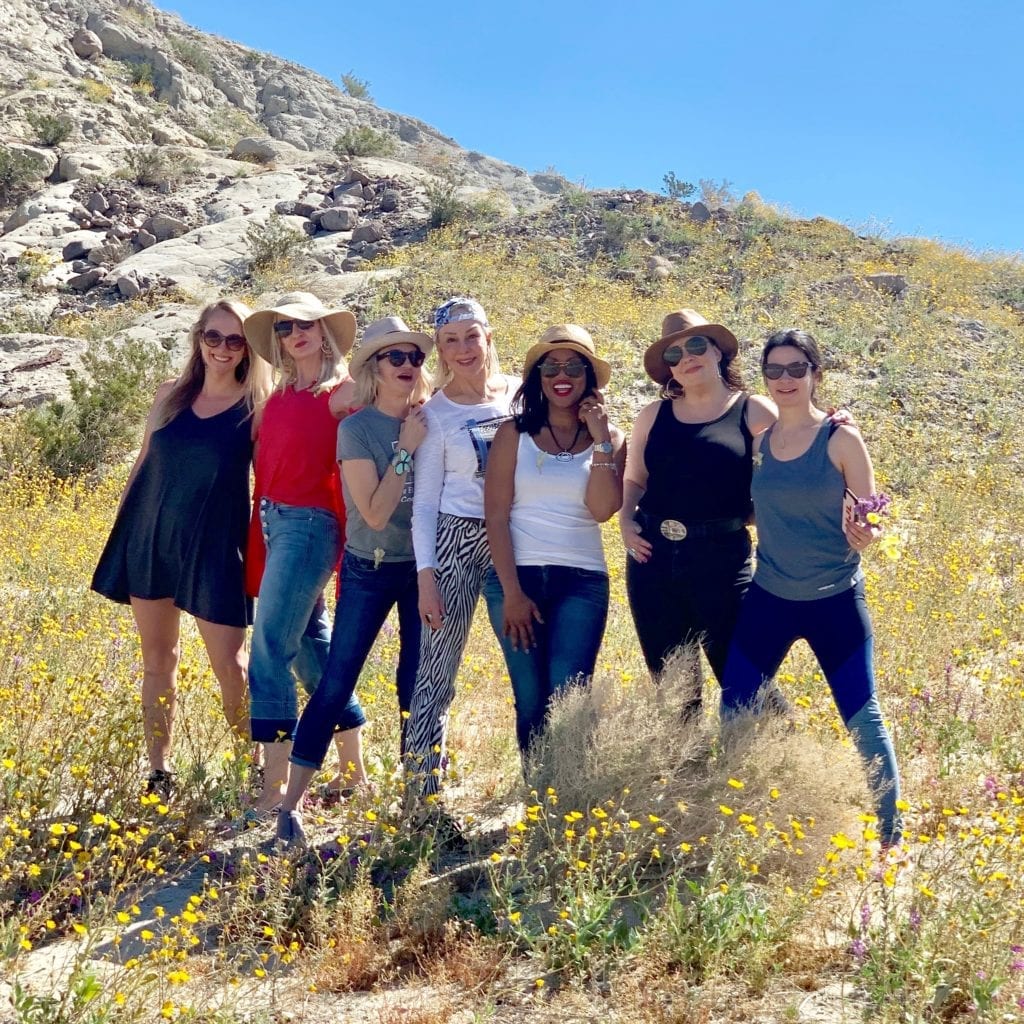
[870, 510]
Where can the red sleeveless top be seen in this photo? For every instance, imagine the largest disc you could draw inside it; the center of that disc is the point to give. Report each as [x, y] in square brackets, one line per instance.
[296, 464]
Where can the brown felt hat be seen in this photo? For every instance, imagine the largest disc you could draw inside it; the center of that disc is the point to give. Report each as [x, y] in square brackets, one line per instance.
[574, 338]
[681, 324]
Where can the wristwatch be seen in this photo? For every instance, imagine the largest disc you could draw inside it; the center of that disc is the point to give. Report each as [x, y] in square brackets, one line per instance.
[604, 447]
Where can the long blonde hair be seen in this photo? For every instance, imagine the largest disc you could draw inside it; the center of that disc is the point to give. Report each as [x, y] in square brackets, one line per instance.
[333, 365]
[252, 371]
[367, 383]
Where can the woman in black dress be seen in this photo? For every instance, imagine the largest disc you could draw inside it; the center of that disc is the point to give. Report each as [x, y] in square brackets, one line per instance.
[177, 541]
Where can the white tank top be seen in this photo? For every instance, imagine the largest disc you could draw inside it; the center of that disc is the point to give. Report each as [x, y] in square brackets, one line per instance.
[549, 521]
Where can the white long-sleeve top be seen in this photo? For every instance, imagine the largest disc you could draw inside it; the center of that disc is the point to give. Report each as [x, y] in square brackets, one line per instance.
[450, 464]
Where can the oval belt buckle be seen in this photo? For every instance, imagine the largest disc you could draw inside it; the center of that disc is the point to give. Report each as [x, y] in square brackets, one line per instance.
[672, 529]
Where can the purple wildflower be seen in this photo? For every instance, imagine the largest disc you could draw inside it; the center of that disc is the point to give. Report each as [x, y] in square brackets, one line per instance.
[859, 950]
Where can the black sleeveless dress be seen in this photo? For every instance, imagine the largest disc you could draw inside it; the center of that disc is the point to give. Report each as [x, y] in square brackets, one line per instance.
[181, 531]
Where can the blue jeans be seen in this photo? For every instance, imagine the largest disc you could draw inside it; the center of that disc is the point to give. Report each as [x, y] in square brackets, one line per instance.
[367, 595]
[574, 606]
[289, 632]
[838, 630]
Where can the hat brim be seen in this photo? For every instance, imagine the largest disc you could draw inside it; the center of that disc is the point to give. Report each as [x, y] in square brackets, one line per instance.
[259, 327]
[654, 363]
[602, 369]
[370, 348]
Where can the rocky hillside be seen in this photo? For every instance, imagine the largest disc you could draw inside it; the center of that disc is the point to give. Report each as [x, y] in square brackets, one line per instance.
[138, 156]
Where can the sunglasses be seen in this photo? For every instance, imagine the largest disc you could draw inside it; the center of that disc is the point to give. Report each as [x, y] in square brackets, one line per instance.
[571, 368]
[234, 342]
[396, 357]
[695, 346]
[774, 371]
[284, 328]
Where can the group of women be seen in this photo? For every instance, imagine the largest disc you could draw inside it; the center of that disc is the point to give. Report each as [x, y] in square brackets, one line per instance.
[423, 500]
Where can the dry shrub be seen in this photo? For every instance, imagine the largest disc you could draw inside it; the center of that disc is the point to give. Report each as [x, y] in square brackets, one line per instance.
[631, 747]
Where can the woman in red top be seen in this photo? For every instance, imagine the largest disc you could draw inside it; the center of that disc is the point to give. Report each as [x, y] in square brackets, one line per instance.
[297, 529]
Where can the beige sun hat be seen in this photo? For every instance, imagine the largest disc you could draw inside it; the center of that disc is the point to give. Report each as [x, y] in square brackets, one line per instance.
[680, 324]
[573, 337]
[389, 330]
[259, 328]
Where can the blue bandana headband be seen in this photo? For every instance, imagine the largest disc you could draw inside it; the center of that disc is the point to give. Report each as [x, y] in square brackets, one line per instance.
[457, 309]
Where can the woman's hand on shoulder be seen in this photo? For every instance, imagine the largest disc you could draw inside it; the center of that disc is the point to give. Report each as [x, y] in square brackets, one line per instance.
[343, 399]
[761, 414]
[842, 417]
[414, 429]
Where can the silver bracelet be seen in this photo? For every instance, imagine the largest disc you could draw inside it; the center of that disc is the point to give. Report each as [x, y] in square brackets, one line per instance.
[605, 465]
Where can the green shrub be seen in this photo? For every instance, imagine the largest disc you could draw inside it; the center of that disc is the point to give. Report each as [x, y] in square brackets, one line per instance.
[364, 141]
[31, 266]
[100, 421]
[274, 243]
[50, 129]
[18, 173]
[95, 90]
[357, 88]
[142, 76]
[192, 54]
[445, 206]
[152, 165]
[675, 188]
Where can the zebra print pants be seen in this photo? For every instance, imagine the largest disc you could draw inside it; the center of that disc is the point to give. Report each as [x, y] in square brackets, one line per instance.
[463, 559]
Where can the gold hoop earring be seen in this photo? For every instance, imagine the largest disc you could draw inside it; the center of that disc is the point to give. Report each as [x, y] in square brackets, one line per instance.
[325, 347]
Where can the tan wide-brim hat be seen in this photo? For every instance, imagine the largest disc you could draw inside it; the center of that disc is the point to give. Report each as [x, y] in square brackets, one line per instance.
[677, 326]
[574, 338]
[382, 334]
[259, 328]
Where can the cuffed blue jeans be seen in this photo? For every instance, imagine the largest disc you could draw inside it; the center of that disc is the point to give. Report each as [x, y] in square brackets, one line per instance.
[367, 595]
[574, 605]
[291, 625]
[838, 631]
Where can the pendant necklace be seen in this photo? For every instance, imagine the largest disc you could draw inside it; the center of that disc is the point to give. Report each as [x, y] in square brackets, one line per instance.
[565, 455]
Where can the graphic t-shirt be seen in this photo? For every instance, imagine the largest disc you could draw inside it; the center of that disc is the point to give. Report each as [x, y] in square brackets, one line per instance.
[371, 434]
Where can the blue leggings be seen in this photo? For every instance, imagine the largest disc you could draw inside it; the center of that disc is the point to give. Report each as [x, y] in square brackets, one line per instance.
[838, 631]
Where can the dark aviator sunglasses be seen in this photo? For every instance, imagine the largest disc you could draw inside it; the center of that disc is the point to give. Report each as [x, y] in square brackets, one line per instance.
[695, 346]
[234, 342]
[396, 357]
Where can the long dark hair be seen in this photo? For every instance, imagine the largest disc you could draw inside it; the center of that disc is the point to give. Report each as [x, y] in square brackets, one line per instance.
[530, 407]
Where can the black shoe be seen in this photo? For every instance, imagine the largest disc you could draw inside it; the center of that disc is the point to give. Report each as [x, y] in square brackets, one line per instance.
[160, 783]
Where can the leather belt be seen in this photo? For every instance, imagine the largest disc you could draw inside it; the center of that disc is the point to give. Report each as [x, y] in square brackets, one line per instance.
[674, 529]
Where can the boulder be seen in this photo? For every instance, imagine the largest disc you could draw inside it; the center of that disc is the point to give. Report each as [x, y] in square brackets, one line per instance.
[389, 200]
[97, 203]
[369, 232]
[144, 239]
[891, 284]
[338, 219]
[128, 286]
[86, 44]
[89, 279]
[72, 166]
[266, 151]
[75, 250]
[42, 161]
[108, 253]
[162, 227]
[699, 213]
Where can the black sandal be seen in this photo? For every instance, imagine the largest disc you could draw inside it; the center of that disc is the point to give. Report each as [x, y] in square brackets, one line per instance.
[160, 783]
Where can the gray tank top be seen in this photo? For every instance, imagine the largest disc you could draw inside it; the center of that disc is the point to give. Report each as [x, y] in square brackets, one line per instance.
[802, 552]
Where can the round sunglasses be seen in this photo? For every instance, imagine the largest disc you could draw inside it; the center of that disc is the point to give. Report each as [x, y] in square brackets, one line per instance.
[397, 357]
[571, 368]
[695, 346]
[234, 342]
[774, 371]
[284, 328]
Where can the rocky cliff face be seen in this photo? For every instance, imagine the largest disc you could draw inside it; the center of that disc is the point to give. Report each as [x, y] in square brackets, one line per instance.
[137, 155]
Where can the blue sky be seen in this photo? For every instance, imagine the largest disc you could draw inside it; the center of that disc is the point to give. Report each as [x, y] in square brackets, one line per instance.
[900, 117]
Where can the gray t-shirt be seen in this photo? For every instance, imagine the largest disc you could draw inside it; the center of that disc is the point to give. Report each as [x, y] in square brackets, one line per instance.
[370, 434]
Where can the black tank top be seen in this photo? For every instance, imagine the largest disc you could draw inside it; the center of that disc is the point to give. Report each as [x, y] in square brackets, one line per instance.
[699, 471]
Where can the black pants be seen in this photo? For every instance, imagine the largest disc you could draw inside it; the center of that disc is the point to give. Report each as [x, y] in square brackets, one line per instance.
[689, 592]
